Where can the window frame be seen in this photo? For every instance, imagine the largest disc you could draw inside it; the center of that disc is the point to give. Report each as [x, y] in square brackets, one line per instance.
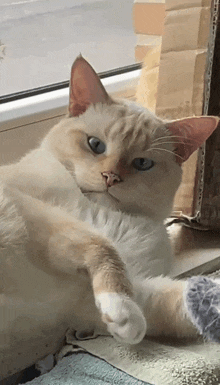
[51, 101]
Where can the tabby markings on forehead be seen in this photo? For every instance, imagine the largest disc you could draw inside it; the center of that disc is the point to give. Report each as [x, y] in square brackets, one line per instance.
[113, 130]
[132, 137]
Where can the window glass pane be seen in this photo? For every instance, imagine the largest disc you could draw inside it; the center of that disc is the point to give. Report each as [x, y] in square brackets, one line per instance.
[39, 39]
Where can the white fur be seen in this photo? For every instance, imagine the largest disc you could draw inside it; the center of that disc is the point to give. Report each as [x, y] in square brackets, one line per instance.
[127, 323]
[38, 307]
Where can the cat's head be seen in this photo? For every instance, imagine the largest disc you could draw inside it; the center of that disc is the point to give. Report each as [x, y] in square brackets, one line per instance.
[119, 153]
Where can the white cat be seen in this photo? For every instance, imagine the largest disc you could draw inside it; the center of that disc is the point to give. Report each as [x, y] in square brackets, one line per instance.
[82, 239]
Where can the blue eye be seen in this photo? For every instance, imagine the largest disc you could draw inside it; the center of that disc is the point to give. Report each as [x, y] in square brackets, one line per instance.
[97, 146]
[143, 164]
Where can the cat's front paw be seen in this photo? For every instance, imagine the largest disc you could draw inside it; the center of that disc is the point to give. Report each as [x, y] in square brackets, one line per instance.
[124, 319]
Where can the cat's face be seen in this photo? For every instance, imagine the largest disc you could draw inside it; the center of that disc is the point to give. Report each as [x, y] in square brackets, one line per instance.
[124, 141]
[119, 153]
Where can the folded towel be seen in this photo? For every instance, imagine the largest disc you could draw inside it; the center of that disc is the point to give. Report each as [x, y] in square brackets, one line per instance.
[103, 361]
[84, 369]
[157, 362]
[161, 363]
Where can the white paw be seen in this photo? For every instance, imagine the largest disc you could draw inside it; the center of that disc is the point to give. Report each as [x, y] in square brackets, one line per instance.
[124, 319]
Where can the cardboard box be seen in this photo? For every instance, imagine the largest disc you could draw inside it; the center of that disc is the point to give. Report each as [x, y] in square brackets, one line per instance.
[207, 202]
[148, 21]
[183, 60]
[178, 84]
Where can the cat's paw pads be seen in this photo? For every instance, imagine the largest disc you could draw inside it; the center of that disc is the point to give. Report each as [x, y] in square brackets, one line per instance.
[123, 317]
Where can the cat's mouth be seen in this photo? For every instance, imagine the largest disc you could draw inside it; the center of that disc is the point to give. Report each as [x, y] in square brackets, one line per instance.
[85, 191]
[103, 192]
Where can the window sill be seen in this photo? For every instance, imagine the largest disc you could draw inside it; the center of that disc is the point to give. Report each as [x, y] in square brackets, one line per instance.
[195, 252]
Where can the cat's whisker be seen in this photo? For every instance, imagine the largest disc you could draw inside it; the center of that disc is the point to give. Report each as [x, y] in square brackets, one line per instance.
[162, 143]
[164, 137]
[173, 137]
[171, 152]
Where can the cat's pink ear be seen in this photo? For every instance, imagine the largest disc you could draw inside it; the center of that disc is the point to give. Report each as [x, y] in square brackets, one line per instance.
[85, 87]
[190, 133]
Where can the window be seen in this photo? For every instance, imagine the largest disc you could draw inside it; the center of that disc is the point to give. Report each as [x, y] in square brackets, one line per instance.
[39, 39]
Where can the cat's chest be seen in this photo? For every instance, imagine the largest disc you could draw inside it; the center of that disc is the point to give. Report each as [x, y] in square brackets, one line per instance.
[143, 245]
[145, 251]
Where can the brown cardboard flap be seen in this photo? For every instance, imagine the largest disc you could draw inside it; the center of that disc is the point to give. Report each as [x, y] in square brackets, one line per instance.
[148, 18]
[186, 4]
[177, 96]
[180, 37]
[183, 58]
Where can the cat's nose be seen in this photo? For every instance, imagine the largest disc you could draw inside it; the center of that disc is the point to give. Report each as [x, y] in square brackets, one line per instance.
[111, 178]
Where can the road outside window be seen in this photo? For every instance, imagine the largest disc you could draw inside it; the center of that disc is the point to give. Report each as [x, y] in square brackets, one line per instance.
[39, 39]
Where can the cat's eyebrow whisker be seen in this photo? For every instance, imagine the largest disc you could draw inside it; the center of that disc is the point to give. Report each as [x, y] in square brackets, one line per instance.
[161, 143]
[173, 137]
[165, 137]
[171, 152]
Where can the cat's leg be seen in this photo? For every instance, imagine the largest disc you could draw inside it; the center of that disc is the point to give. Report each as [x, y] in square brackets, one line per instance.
[67, 245]
[163, 301]
[79, 247]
